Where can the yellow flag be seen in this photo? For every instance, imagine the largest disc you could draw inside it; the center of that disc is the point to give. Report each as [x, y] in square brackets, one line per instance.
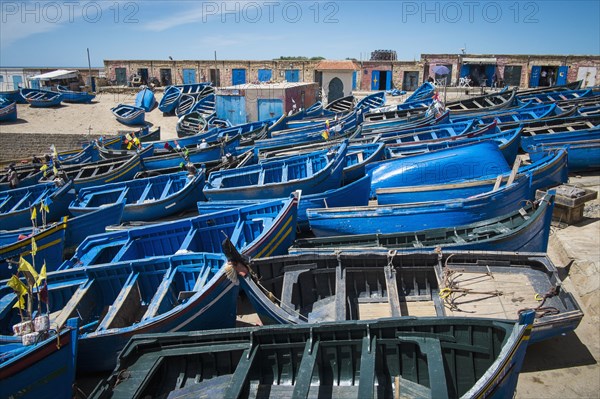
[55, 171]
[17, 286]
[20, 302]
[33, 214]
[28, 270]
[129, 145]
[325, 134]
[44, 168]
[42, 275]
[33, 247]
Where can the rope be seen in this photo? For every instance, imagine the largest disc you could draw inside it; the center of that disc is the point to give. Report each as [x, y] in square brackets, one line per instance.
[541, 310]
[451, 291]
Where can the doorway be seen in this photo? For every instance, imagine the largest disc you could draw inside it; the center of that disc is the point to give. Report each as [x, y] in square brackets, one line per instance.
[410, 81]
[335, 90]
[165, 77]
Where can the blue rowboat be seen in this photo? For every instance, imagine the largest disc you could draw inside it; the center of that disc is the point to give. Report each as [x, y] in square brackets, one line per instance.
[107, 154]
[87, 154]
[554, 96]
[421, 215]
[129, 114]
[170, 99]
[280, 361]
[186, 103]
[399, 125]
[28, 176]
[160, 294]
[371, 101]
[57, 241]
[583, 155]
[526, 230]
[45, 369]
[41, 98]
[70, 96]
[210, 154]
[353, 194]
[145, 99]
[548, 171]
[423, 92]
[511, 115]
[437, 167]
[508, 142]
[145, 199]
[400, 134]
[312, 173]
[144, 134]
[103, 172]
[12, 96]
[315, 288]
[257, 230]
[8, 111]
[15, 205]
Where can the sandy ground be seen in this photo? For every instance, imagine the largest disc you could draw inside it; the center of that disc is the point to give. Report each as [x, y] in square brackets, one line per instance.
[95, 118]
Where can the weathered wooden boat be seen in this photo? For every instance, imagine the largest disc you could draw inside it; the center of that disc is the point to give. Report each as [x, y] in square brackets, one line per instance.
[508, 142]
[518, 115]
[312, 173]
[488, 102]
[446, 165]
[410, 217]
[412, 121]
[544, 89]
[186, 102]
[41, 98]
[353, 194]
[70, 96]
[89, 153]
[314, 288]
[371, 101]
[167, 158]
[258, 230]
[549, 171]
[129, 114]
[191, 124]
[145, 199]
[57, 241]
[16, 205]
[423, 92]
[341, 105]
[28, 175]
[553, 96]
[160, 294]
[525, 230]
[436, 134]
[122, 142]
[8, 111]
[103, 172]
[583, 148]
[145, 99]
[108, 154]
[44, 369]
[558, 125]
[424, 358]
[13, 96]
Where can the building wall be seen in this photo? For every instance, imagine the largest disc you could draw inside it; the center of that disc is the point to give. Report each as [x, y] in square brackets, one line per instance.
[344, 76]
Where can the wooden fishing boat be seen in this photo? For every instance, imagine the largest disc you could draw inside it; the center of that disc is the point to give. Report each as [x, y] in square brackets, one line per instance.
[436, 134]
[57, 241]
[583, 148]
[353, 194]
[28, 175]
[401, 358]
[525, 230]
[544, 89]
[70, 96]
[145, 199]
[341, 105]
[168, 158]
[314, 288]
[102, 172]
[16, 205]
[108, 154]
[8, 111]
[44, 369]
[160, 294]
[525, 113]
[403, 218]
[129, 114]
[312, 173]
[508, 142]
[438, 167]
[423, 92]
[418, 119]
[12, 96]
[549, 171]
[486, 103]
[186, 102]
[145, 99]
[41, 98]
[258, 230]
[170, 99]
[191, 124]
[553, 96]
[144, 135]
[371, 101]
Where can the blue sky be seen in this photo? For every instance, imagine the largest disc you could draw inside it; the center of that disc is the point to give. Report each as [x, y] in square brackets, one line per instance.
[57, 33]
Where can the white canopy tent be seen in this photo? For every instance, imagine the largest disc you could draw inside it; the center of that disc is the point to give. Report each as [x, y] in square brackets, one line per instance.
[58, 74]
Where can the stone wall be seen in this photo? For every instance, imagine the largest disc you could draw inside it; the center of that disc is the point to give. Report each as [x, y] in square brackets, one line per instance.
[15, 147]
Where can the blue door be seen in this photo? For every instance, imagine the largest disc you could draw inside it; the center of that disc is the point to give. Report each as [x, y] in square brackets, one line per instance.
[265, 75]
[269, 108]
[354, 80]
[238, 76]
[17, 80]
[490, 71]
[534, 79]
[232, 108]
[561, 79]
[35, 83]
[189, 76]
[388, 80]
[374, 80]
[292, 75]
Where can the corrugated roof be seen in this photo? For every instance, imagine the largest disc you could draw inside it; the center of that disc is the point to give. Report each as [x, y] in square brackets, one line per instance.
[58, 74]
[336, 65]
